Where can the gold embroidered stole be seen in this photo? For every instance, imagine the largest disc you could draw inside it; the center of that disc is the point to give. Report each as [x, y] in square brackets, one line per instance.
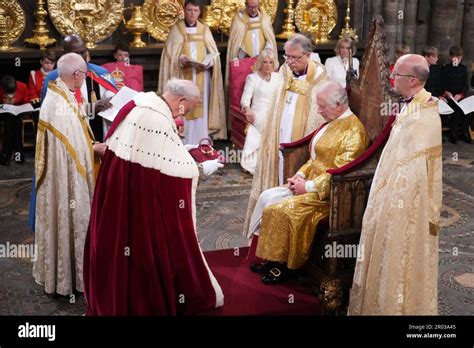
[303, 90]
[249, 34]
[198, 39]
[43, 126]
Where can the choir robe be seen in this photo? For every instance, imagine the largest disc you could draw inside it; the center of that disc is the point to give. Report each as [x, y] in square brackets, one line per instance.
[397, 273]
[142, 255]
[64, 172]
[289, 222]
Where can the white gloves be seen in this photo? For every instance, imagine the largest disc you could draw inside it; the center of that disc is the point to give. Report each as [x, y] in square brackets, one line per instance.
[210, 167]
[190, 147]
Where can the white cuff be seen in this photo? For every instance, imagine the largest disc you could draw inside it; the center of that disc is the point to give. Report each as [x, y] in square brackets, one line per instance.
[301, 174]
[309, 186]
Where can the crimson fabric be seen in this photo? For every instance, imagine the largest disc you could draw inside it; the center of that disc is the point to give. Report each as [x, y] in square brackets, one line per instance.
[101, 81]
[377, 144]
[148, 214]
[21, 94]
[35, 86]
[128, 74]
[245, 294]
[238, 72]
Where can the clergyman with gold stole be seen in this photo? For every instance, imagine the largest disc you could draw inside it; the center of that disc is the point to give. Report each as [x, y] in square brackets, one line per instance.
[65, 179]
[398, 271]
[286, 217]
[251, 32]
[189, 41]
[292, 114]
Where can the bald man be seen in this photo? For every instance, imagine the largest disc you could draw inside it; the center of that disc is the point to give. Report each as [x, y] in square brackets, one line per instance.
[398, 271]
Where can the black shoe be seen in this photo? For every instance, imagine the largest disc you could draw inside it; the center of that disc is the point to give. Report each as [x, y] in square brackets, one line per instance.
[4, 160]
[262, 267]
[467, 140]
[278, 275]
[453, 140]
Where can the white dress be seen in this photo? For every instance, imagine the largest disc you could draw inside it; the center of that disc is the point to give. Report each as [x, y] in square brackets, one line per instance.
[257, 95]
[336, 69]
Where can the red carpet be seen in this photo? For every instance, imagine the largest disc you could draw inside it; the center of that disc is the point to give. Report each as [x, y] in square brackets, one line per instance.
[245, 294]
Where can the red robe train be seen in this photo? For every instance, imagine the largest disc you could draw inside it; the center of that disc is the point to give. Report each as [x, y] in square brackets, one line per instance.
[142, 255]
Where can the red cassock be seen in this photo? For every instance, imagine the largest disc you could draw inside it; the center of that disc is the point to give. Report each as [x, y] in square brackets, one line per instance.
[142, 255]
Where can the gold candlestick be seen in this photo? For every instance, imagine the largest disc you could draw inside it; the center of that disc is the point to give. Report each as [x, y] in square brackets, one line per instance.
[347, 30]
[137, 26]
[288, 26]
[40, 36]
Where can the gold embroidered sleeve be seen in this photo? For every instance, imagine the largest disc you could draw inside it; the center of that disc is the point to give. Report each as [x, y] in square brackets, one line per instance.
[306, 168]
[355, 142]
[322, 186]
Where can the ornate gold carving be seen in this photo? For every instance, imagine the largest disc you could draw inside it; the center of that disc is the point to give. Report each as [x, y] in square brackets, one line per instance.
[41, 31]
[137, 26]
[289, 25]
[93, 20]
[330, 297]
[218, 16]
[318, 17]
[12, 23]
[347, 30]
[160, 16]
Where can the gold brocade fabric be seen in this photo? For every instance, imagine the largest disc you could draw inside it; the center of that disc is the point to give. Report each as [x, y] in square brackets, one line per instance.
[398, 271]
[248, 39]
[238, 31]
[64, 168]
[198, 40]
[287, 228]
[306, 120]
[170, 67]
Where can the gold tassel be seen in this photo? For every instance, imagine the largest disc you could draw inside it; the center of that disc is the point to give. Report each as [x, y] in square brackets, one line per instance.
[93, 97]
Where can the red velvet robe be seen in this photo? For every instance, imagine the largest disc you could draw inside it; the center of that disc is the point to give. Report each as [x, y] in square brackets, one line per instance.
[142, 255]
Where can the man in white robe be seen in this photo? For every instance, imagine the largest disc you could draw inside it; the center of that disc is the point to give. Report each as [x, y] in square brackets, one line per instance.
[64, 170]
[398, 271]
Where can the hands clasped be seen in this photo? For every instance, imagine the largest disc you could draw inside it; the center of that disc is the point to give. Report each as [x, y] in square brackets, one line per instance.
[297, 185]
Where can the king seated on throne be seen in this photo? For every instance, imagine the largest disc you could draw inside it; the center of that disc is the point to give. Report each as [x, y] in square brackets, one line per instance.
[286, 217]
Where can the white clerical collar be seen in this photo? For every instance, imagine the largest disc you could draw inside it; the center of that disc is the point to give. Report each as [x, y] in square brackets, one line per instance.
[345, 114]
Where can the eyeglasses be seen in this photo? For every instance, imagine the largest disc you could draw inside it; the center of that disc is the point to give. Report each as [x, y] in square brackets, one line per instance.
[84, 72]
[394, 74]
[295, 59]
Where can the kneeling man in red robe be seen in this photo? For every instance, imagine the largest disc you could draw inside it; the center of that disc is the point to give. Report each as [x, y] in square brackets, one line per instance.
[142, 255]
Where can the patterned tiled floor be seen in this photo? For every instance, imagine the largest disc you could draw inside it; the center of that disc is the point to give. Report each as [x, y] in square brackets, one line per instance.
[221, 207]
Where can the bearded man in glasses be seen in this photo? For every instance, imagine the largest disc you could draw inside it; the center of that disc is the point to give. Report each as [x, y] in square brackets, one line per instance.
[293, 115]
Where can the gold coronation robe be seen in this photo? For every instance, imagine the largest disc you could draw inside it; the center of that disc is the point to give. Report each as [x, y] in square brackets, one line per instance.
[178, 43]
[64, 168]
[398, 271]
[288, 227]
[246, 33]
[306, 118]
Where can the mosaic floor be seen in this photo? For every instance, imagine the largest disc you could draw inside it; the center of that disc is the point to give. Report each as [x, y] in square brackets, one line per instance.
[221, 206]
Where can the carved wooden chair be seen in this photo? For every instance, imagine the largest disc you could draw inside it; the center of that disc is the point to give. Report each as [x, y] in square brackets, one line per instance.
[238, 72]
[350, 185]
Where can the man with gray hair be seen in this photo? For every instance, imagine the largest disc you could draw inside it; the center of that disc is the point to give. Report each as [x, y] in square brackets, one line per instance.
[292, 114]
[142, 255]
[65, 178]
[286, 217]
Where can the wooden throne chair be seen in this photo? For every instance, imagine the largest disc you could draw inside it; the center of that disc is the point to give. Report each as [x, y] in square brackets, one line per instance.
[350, 185]
[238, 71]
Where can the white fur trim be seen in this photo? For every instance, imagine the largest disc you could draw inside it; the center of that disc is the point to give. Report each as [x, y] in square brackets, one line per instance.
[148, 136]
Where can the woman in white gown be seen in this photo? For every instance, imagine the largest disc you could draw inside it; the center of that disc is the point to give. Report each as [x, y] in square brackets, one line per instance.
[255, 100]
[337, 66]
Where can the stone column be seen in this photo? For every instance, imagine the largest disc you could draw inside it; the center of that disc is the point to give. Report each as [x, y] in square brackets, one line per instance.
[410, 24]
[390, 16]
[468, 34]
